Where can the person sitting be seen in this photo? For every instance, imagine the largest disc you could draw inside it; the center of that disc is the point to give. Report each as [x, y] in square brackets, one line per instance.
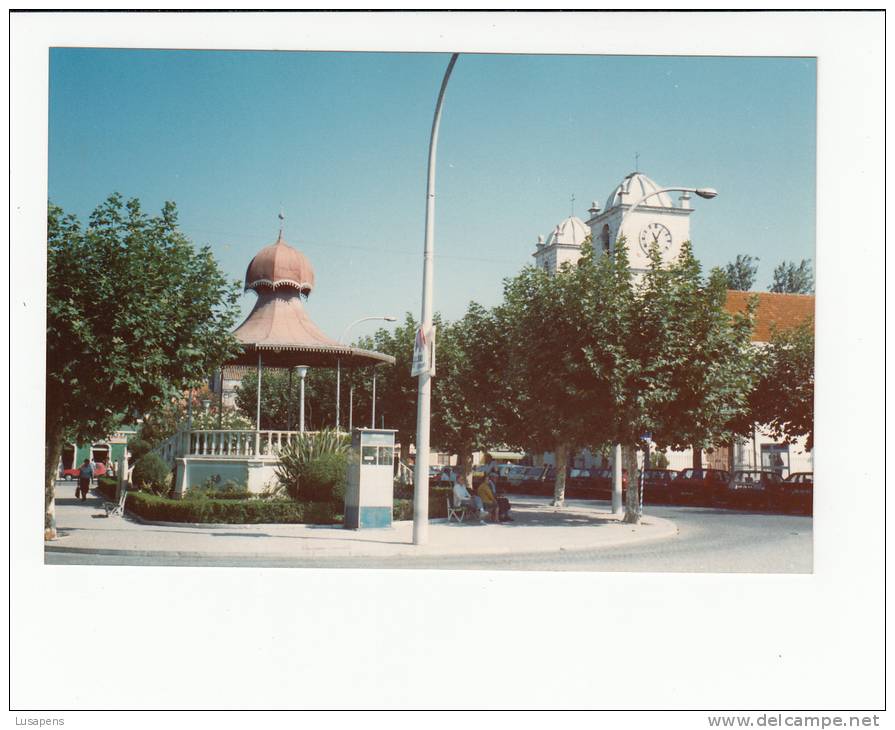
[503, 504]
[462, 498]
[497, 507]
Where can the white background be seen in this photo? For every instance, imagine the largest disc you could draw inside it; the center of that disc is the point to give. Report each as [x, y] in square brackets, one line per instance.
[246, 638]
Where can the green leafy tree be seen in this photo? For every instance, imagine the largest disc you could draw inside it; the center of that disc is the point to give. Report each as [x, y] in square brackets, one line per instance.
[552, 362]
[135, 314]
[741, 273]
[163, 420]
[792, 279]
[469, 381]
[783, 400]
[696, 359]
[281, 399]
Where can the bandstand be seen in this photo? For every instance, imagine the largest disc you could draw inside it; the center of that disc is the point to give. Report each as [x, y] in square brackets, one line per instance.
[278, 333]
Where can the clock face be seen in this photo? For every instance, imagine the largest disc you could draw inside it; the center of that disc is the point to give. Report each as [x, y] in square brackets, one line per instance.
[655, 233]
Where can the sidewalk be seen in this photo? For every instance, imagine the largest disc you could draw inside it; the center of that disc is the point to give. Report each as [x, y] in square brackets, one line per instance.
[537, 528]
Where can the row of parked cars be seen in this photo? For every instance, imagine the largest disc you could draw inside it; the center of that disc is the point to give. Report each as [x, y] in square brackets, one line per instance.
[742, 489]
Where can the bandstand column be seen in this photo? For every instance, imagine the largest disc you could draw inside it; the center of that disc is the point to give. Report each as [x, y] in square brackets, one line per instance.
[258, 411]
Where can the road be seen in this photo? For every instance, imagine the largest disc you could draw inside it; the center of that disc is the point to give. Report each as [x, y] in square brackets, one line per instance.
[709, 541]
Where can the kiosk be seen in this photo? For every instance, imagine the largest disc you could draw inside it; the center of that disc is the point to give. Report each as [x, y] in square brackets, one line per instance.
[369, 494]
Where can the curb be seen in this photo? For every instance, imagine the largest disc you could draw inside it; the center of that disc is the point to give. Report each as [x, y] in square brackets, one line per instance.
[665, 529]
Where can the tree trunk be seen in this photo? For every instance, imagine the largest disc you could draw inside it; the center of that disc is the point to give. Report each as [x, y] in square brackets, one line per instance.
[697, 458]
[632, 502]
[53, 453]
[559, 487]
[464, 465]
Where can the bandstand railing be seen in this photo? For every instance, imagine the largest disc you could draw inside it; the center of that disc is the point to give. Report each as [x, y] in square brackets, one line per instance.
[226, 443]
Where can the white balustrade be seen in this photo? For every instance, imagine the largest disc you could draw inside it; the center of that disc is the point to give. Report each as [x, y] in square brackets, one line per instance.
[237, 444]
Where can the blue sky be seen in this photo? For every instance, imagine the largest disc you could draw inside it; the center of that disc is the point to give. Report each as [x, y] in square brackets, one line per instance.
[340, 141]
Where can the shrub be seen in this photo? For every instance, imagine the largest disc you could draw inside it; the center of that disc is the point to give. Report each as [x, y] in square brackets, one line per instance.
[138, 448]
[324, 478]
[152, 474]
[230, 511]
[296, 457]
[107, 486]
[211, 489]
[403, 510]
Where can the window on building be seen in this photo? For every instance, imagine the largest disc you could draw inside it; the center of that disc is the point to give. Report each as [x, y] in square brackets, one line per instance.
[604, 238]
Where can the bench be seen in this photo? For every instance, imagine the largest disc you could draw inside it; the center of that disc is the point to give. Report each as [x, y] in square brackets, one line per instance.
[116, 509]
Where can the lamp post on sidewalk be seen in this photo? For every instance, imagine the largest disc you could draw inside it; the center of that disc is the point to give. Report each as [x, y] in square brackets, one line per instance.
[423, 413]
[386, 318]
[708, 194]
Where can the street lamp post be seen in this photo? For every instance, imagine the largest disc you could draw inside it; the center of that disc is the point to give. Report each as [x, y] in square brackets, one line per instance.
[339, 364]
[421, 465]
[302, 372]
[708, 194]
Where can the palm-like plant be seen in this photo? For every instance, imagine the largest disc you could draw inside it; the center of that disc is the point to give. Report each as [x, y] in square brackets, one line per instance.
[306, 448]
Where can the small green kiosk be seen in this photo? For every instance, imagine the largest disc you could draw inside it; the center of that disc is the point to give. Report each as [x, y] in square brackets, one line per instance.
[369, 495]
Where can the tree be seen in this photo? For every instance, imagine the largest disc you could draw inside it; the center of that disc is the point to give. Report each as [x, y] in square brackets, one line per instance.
[467, 385]
[134, 315]
[696, 363]
[741, 273]
[281, 402]
[163, 420]
[783, 400]
[548, 351]
[665, 357]
[792, 279]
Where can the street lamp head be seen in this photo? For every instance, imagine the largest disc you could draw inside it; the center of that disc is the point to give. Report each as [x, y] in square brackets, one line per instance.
[390, 319]
[302, 370]
[707, 193]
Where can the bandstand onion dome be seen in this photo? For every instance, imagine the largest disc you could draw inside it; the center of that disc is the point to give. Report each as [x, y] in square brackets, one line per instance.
[633, 188]
[280, 265]
[279, 328]
[571, 232]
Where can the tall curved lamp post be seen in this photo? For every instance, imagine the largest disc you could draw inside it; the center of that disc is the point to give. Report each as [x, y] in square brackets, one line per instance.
[424, 390]
[708, 194]
[339, 367]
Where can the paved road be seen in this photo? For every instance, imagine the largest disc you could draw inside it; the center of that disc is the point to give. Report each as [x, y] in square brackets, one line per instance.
[708, 541]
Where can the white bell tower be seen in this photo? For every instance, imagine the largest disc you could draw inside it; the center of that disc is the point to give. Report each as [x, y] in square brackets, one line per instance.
[655, 220]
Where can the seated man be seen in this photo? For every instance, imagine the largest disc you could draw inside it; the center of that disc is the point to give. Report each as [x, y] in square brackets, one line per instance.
[462, 497]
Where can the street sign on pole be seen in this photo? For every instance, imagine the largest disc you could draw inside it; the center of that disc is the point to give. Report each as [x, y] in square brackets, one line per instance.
[423, 353]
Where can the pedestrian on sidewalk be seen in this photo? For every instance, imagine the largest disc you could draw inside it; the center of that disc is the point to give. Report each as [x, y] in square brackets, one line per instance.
[85, 474]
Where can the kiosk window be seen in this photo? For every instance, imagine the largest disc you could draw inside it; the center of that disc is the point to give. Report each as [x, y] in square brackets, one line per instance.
[369, 455]
[386, 456]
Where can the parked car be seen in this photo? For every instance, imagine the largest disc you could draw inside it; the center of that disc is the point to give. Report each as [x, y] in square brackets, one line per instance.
[658, 486]
[537, 480]
[748, 488]
[601, 479]
[99, 470]
[700, 486]
[796, 492]
[435, 474]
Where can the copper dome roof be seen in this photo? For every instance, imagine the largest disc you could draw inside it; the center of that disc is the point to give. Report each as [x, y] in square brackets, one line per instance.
[280, 265]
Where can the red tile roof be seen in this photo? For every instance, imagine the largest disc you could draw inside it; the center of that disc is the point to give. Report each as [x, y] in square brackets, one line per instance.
[783, 310]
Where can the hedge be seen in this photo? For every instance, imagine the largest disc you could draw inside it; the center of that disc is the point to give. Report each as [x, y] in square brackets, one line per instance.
[230, 511]
[254, 511]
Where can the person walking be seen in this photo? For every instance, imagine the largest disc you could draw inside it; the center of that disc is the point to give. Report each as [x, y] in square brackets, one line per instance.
[85, 474]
